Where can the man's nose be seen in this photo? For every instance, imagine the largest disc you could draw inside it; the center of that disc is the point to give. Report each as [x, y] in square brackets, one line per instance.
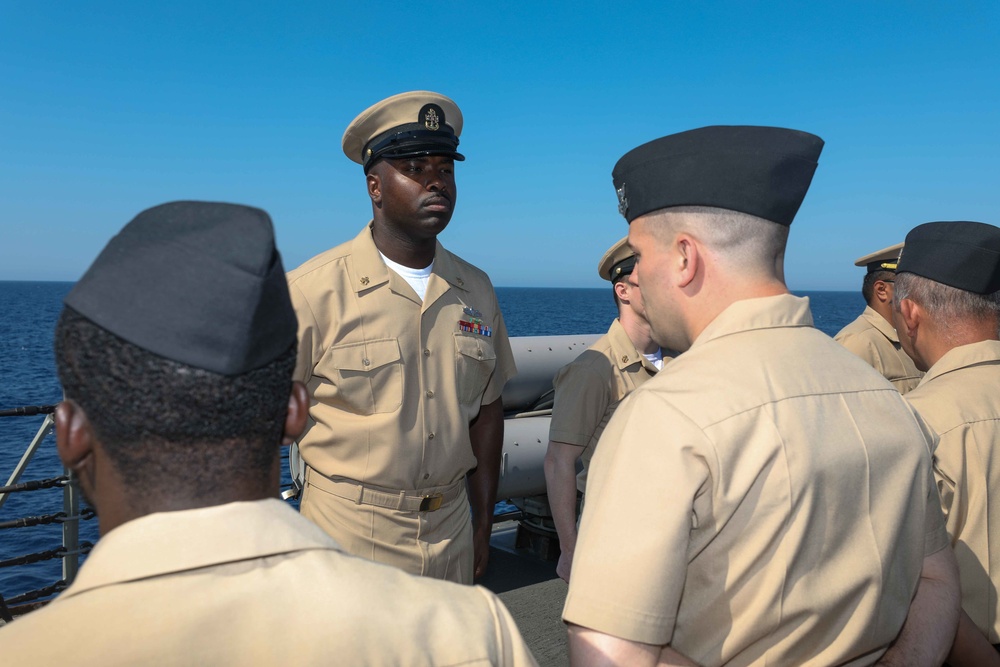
[436, 182]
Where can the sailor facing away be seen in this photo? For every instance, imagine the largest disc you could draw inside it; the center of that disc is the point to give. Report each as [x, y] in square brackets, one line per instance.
[176, 351]
[587, 392]
[767, 498]
[872, 336]
[405, 354]
[947, 305]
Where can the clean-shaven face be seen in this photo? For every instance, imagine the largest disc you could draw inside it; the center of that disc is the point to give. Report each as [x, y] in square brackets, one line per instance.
[635, 301]
[418, 194]
[655, 265]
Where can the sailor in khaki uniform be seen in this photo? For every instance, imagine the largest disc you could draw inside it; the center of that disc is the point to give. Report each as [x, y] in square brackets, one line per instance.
[588, 390]
[178, 391]
[948, 310]
[873, 336]
[767, 498]
[405, 354]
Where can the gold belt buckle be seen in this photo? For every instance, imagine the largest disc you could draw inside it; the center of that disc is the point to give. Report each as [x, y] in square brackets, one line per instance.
[431, 503]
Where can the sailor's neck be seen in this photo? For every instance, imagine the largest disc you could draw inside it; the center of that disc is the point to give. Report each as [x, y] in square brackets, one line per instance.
[410, 252]
[116, 506]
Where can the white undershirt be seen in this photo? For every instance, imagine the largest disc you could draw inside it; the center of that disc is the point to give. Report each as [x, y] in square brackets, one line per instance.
[656, 359]
[415, 278]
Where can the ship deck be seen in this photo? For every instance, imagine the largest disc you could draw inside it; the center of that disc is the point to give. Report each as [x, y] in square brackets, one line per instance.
[532, 591]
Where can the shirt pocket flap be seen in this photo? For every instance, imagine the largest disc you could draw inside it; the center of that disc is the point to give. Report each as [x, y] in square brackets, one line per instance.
[365, 357]
[475, 348]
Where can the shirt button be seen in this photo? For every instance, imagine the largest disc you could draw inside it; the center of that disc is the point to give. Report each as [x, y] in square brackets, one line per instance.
[366, 362]
[427, 475]
[427, 353]
[430, 394]
[430, 436]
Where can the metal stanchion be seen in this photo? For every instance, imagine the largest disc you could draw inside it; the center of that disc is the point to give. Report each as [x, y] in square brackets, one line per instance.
[71, 528]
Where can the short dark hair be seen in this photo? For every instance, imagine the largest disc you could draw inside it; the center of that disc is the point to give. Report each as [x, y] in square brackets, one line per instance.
[614, 281]
[165, 424]
[868, 286]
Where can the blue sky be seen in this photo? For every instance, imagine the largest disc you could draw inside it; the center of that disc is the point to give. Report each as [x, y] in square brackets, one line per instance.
[109, 108]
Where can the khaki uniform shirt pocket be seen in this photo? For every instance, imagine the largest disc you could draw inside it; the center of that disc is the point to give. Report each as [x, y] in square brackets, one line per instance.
[366, 378]
[475, 360]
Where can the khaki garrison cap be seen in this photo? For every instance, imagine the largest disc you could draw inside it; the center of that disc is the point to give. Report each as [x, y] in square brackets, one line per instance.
[881, 260]
[406, 125]
[617, 262]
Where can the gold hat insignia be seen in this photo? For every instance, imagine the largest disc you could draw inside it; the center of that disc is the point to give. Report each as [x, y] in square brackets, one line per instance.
[431, 120]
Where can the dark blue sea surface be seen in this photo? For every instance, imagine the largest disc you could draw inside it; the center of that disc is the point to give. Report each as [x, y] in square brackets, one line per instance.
[543, 311]
[28, 312]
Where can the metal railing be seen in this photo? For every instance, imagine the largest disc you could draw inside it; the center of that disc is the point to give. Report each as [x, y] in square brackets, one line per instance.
[72, 548]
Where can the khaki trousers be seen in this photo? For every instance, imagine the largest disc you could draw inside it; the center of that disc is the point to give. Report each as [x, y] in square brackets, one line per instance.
[434, 544]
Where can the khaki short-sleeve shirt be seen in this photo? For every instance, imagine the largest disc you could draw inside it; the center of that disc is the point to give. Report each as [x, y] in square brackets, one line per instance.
[254, 583]
[767, 498]
[395, 381]
[876, 341]
[588, 389]
[960, 399]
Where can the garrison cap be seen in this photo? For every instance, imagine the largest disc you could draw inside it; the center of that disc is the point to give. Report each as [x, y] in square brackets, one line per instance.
[763, 171]
[881, 260]
[964, 255]
[617, 262]
[195, 282]
[406, 125]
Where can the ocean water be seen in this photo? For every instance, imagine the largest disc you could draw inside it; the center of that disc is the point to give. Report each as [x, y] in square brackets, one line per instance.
[28, 312]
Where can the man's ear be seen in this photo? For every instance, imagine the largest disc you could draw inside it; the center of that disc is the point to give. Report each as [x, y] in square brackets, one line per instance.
[374, 187]
[910, 316]
[298, 412]
[74, 437]
[688, 259]
[621, 290]
[881, 290]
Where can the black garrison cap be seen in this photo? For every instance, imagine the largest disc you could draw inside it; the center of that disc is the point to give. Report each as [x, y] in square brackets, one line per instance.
[196, 282]
[964, 255]
[763, 171]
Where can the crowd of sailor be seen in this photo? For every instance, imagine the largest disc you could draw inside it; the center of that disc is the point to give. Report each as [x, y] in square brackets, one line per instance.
[730, 486]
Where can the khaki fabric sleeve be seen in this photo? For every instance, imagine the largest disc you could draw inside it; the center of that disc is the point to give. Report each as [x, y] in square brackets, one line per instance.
[309, 335]
[511, 649]
[505, 368]
[649, 467]
[581, 399]
[935, 535]
[948, 467]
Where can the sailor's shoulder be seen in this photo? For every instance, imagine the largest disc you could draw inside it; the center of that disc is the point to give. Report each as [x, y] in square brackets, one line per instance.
[467, 271]
[858, 327]
[958, 398]
[437, 611]
[865, 341]
[597, 359]
[321, 266]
